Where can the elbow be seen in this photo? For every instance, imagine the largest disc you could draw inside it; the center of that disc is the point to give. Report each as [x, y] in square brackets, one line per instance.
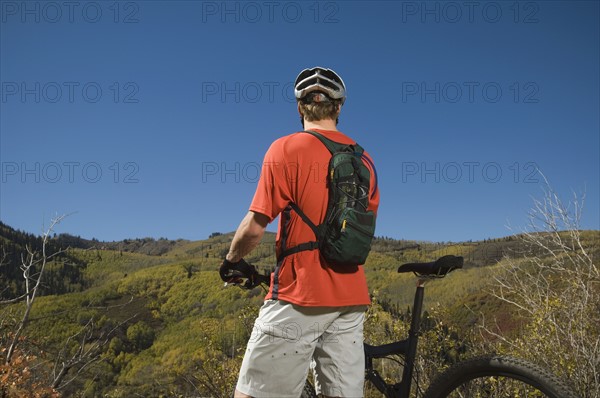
[256, 225]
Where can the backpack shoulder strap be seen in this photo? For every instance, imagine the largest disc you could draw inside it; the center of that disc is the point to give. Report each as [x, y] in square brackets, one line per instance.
[305, 218]
[327, 142]
[312, 245]
[333, 146]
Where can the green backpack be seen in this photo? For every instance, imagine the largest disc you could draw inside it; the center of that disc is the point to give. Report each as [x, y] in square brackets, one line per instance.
[344, 237]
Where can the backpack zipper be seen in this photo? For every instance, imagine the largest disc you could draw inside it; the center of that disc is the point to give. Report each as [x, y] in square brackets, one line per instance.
[346, 223]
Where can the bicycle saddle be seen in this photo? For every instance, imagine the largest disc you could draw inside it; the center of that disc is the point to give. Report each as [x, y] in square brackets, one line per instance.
[438, 268]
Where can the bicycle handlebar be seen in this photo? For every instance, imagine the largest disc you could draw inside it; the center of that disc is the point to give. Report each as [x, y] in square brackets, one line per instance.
[246, 276]
[242, 274]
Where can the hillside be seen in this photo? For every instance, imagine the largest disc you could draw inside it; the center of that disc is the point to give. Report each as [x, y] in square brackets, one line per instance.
[155, 319]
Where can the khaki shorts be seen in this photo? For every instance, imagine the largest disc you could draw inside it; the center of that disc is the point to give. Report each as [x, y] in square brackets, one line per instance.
[288, 339]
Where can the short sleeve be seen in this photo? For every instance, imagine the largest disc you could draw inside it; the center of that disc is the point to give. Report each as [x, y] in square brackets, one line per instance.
[273, 191]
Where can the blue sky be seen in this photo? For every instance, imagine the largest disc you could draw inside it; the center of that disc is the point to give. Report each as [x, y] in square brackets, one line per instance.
[151, 118]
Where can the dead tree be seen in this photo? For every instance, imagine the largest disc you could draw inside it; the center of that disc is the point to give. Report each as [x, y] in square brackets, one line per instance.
[33, 267]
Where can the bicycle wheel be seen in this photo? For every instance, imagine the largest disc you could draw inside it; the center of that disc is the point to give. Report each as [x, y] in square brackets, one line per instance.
[497, 377]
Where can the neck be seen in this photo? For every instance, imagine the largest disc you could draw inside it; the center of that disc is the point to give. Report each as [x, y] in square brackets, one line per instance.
[326, 124]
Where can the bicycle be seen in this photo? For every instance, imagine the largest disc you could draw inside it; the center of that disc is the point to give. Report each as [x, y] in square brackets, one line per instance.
[490, 376]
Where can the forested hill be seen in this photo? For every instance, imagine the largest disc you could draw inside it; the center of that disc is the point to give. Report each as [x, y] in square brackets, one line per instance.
[148, 246]
[477, 253]
[151, 317]
[68, 265]
[72, 255]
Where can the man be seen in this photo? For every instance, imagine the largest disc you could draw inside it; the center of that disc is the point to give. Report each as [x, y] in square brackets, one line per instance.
[314, 310]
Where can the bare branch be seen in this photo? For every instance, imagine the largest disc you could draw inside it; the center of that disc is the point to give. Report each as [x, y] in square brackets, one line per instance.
[87, 351]
[13, 300]
[32, 282]
[556, 284]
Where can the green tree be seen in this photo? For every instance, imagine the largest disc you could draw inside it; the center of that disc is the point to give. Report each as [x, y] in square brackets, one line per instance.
[140, 335]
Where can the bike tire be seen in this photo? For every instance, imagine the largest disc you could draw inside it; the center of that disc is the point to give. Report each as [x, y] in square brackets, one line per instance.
[308, 391]
[497, 377]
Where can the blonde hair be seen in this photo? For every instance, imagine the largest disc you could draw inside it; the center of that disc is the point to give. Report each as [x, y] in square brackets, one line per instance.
[315, 111]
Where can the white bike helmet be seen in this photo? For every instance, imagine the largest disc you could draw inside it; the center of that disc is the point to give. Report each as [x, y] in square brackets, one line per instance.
[322, 80]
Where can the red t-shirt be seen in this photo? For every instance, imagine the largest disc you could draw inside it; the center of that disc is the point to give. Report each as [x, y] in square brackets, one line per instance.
[295, 170]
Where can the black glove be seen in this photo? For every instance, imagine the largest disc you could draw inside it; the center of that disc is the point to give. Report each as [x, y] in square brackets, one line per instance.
[236, 272]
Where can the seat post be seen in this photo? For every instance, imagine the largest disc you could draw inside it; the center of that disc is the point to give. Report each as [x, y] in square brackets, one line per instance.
[413, 337]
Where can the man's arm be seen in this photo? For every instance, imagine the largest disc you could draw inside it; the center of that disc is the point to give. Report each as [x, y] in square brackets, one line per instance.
[247, 236]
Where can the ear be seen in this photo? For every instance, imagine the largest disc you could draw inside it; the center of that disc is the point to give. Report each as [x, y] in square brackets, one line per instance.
[299, 111]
